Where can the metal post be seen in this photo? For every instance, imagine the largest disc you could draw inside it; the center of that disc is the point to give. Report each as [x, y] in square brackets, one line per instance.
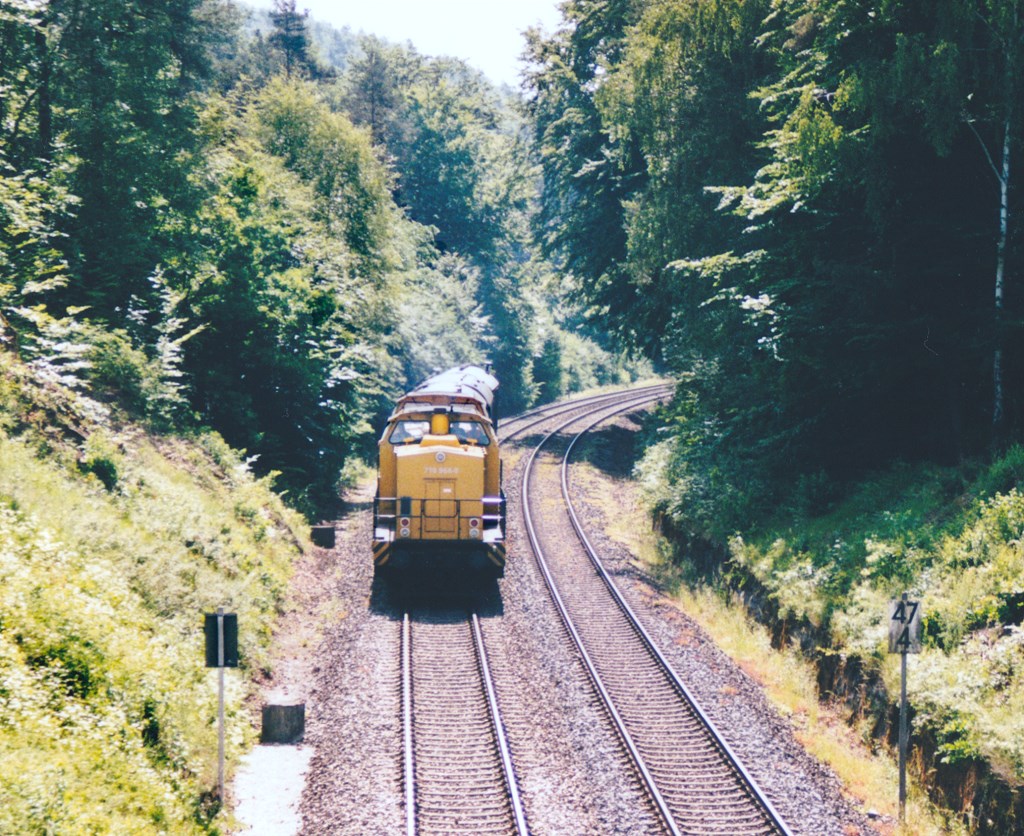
[903, 731]
[220, 703]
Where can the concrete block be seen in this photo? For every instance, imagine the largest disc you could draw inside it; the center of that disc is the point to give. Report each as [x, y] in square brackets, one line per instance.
[283, 723]
[323, 536]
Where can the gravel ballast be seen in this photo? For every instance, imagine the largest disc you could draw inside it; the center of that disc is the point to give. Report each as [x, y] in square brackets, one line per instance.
[337, 650]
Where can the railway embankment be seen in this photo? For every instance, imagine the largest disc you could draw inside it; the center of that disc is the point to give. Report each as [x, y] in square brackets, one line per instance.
[952, 538]
[985, 800]
[114, 541]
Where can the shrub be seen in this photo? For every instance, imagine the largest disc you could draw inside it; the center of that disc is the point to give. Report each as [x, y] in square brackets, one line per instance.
[109, 554]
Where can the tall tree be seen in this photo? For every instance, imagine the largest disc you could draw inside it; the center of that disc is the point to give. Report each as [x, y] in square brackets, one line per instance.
[589, 171]
[289, 285]
[679, 95]
[999, 116]
[123, 78]
[291, 37]
[25, 110]
[373, 89]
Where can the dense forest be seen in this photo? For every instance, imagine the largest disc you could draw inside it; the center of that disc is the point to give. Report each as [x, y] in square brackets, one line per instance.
[806, 211]
[801, 209]
[240, 220]
[238, 225]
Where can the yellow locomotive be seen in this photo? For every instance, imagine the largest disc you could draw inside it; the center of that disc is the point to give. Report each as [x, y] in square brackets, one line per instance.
[439, 499]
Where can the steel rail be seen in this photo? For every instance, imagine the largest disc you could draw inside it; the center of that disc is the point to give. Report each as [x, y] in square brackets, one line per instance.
[648, 780]
[499, 729]
[498, 726]
[407, 739]
[553, 410]
[678, 684]
[587, 399]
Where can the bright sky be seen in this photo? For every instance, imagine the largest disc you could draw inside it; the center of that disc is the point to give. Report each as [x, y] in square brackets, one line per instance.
[486, 34]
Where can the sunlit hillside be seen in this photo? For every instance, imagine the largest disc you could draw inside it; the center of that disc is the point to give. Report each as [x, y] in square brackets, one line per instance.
[113, 543]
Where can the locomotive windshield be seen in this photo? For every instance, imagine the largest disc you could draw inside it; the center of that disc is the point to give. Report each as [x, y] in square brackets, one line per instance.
[412, 432]
[409, 431]
[469, 432]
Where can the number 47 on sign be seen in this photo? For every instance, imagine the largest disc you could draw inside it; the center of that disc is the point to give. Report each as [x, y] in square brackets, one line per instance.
[905, 626]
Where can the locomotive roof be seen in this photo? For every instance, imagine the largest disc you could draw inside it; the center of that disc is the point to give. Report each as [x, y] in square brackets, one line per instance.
[406, 409]
[464, 384]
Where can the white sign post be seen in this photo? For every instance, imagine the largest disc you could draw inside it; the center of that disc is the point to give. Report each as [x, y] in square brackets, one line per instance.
[904, 638]
[221, 631]
[220, 702]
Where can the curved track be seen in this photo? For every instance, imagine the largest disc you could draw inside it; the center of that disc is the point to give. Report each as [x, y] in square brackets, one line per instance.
[693, 780]
[539, 415]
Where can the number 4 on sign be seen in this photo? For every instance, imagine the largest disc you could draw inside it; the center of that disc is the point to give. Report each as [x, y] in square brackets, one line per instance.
[905, 626]
[904, 638]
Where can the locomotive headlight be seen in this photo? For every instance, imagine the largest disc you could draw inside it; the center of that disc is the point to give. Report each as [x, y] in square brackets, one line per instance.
[474, 529]
[403, 532]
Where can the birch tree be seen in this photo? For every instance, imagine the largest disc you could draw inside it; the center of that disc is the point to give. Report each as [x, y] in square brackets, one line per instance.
[997, 117]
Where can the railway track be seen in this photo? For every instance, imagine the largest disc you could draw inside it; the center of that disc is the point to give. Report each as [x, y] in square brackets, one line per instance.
[694, 781]
[572, 769]
[539, 415]
[458, 775]
[458, 771]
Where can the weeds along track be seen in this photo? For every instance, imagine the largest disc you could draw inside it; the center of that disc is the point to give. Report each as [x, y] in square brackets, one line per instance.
[457, 769]
[693, 780]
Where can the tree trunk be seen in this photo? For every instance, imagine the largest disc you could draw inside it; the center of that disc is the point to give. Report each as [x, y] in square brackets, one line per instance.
[998, 396]
[45, 102]
[998, 410]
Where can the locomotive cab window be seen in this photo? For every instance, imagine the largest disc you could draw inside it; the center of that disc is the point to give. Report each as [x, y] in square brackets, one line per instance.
[470, 432]
[409, 432]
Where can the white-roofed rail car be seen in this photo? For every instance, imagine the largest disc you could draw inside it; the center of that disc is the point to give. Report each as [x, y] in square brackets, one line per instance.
[439, 498]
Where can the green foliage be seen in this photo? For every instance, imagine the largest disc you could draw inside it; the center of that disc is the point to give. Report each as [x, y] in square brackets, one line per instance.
[23, 112]
[825, 315]
[123, 108]
[289, 289]
[371, 91]
[292, 38]
[547, 370]
[939, 534]
[336, 160]
[192, 231]
[464, 173]
[101, 458]
[1004, 474]
[440, 322]
[588, 170]
[105, 570]
[32, 207]
[954, 733]
[150, 387]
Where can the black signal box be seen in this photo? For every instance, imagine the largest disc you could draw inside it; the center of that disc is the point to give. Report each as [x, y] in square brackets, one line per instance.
[230, 659]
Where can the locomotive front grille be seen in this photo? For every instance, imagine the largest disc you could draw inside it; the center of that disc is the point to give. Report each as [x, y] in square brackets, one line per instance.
[437, 517]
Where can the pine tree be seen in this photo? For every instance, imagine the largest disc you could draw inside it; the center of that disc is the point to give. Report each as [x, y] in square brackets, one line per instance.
[291, 37]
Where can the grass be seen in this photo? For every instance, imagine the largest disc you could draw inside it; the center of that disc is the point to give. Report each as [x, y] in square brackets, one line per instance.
[965, 565]
[952, 538]
[112, 545]
[869, 776]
